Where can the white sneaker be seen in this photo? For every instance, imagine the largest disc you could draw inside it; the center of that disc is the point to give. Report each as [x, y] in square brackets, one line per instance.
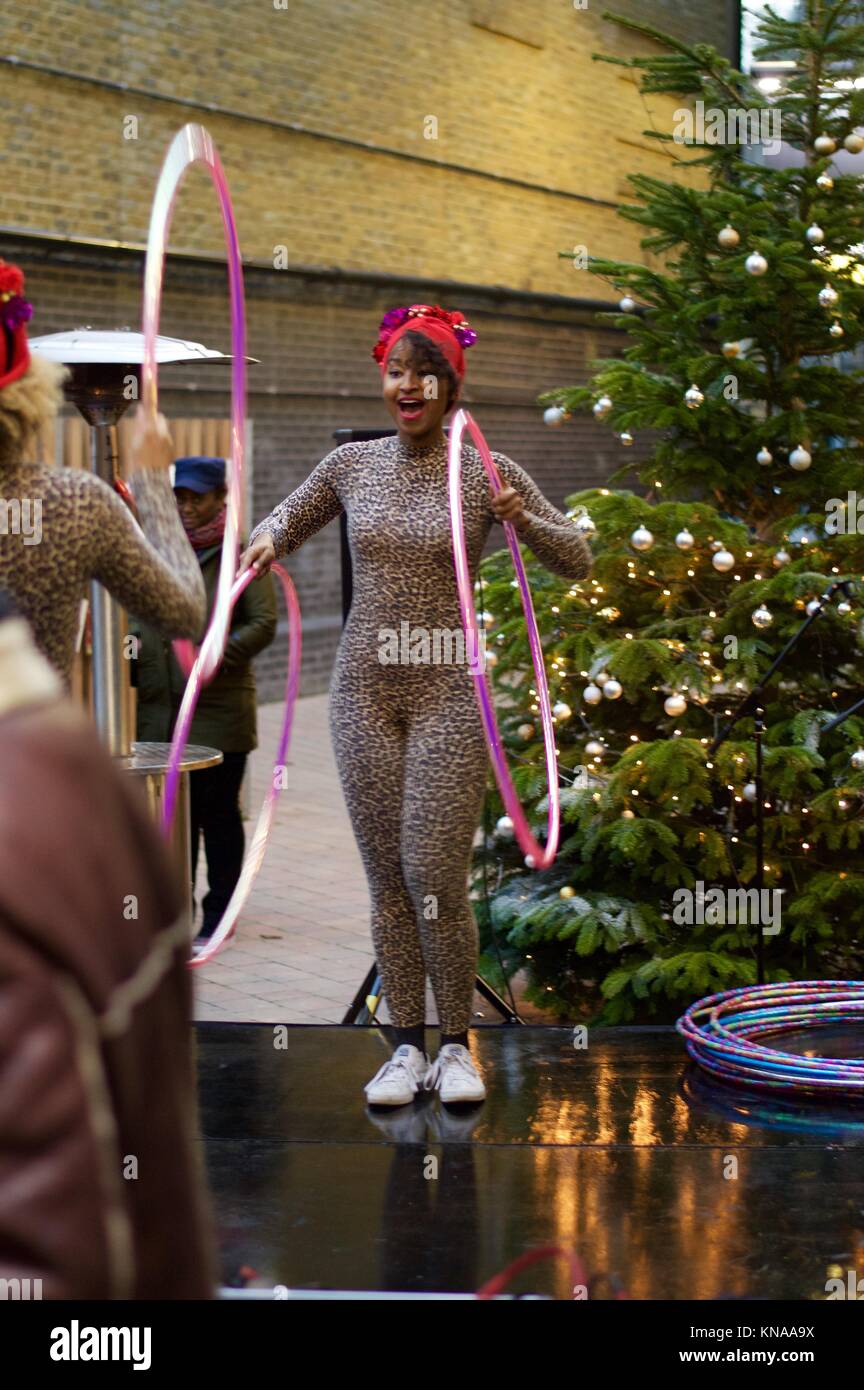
[399, 1080]
[454, 1074]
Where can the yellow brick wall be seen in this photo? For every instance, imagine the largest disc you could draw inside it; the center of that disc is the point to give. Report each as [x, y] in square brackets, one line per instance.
[531, 107]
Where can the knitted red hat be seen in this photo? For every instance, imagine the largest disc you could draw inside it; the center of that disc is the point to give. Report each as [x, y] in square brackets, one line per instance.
[448, 329]
[14, 313]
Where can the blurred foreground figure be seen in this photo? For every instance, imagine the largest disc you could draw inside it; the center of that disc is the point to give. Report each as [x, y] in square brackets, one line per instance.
[101, 1190]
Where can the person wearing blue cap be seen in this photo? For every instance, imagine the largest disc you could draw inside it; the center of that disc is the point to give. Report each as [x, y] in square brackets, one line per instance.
[226, 716]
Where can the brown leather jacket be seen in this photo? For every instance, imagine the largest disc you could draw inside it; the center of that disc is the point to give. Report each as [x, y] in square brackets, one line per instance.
[102, 1193]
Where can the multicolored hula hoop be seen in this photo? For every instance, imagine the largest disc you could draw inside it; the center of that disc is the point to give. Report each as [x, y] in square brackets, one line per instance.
[194, 145]
[720, 1034]
[537, 856]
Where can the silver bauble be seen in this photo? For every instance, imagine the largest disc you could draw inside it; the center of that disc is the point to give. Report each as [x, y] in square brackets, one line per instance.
[731, 349]
[824, 144]
[799, 459]
[781, 558]
[586, 524]
[857, 759]
[764, 457]
[828, 297]
[836, 330]
[641, 538]
[693, 397]
[728, 237]
[613, 689]
[723, 560]
[594, 749]
[554, 415]
[815, 234]
[750, 791]
[675, 705]
[762, 617]
[602, 406]
[684, 540]
[626, 438]
[592, 694]
[627, 305]
[504, 828]
[561, 711]
[854, 142]
[825, 182]
[756, 264]
[844, 607]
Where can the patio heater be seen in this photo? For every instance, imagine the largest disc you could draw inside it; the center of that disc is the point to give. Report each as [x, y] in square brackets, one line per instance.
[105, 369]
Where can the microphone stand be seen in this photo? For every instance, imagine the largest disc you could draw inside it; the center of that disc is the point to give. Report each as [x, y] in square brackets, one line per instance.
[752, 701]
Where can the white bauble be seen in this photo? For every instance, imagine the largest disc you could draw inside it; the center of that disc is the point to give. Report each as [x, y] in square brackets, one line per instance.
[586, 524]
[626, 438]
[781, 558]
[750, 791]
[675, 705]
[627, 305]
[561, 710]
[844, 607]
[525, 731]
[592, 694]
[764, 457]
[613, 689]
[594, 749]
[815, 234]
[641, 538]
[762, 617]
[723, 560]
[755, 264]
[693, 397]
[857, 759]
[555, 415]
[813, 607]
[854, 142]
[799, 459]
[504, 828]
[828, 297]
[684, 540]
[824, 144]
[836, 330]
[627, 814]
[602, 406]
[825, 182]
[728, 237]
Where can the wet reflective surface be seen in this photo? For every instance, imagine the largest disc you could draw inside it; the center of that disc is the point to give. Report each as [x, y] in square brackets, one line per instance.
[622, 1151]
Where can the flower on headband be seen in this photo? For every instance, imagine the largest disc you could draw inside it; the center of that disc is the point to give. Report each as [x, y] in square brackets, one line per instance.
[14, 309]
[394, 318]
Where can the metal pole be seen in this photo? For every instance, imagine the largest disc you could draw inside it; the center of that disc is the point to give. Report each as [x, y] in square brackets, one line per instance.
[110, 669]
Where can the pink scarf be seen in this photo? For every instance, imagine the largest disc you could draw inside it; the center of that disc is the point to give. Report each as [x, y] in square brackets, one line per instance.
[210, 533]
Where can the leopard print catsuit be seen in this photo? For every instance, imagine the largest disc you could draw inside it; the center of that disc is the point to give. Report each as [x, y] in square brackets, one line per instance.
[408, 738]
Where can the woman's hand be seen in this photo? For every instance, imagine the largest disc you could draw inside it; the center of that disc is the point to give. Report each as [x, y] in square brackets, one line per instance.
[258, 556]
[150, 444]
[508, 506]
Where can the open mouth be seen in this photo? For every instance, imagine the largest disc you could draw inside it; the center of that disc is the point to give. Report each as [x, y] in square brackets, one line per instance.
[409, 409]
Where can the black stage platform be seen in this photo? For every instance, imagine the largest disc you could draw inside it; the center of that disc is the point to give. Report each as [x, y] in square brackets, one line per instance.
[621, 1152]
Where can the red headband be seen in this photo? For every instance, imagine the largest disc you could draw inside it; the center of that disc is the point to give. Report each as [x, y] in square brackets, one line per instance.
[449, 330]
[14, 313]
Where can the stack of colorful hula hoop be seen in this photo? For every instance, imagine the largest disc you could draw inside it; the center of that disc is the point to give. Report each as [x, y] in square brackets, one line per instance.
[724, 1035]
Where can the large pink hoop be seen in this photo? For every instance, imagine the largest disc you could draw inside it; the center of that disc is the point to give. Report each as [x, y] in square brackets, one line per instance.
[194, 145]
[537, 856]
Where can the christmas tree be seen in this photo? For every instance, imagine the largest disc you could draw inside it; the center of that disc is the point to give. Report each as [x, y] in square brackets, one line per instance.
[740, 363]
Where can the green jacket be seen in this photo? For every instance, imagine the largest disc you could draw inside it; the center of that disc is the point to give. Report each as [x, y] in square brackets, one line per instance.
[226, 714]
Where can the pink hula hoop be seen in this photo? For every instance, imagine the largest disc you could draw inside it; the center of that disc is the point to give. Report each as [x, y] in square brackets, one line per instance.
[194, 145]
[537, 856]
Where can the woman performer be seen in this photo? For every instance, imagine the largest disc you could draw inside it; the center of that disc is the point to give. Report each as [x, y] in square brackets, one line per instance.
[408, 738]
[62, 527]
